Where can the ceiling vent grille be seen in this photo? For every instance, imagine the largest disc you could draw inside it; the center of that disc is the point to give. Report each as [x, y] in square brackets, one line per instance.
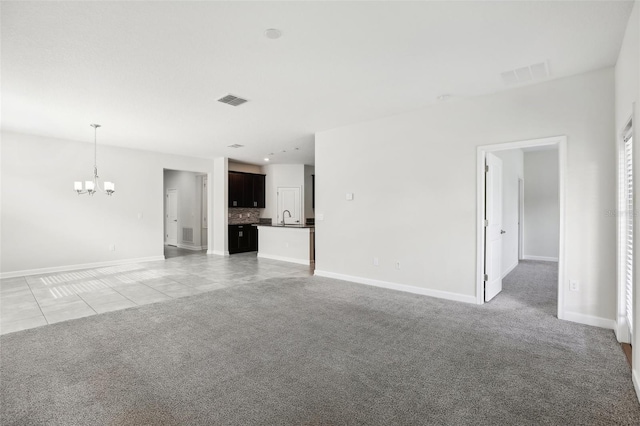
[535, 72]
[236, 145]
[232, 100]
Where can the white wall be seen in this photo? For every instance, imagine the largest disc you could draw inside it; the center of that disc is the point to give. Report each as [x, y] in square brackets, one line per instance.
[218, 231]
[189, 188]
[414, 180]
[308, 191]
[512, 171]
[627, 91]
[281, 175]
[541, 205]
[45, 224]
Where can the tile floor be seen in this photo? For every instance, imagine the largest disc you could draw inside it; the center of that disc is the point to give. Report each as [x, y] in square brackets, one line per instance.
[38, 300]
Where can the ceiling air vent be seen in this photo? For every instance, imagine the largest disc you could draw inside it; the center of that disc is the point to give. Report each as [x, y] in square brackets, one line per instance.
[235, 145]
[232, 100]
[535, 72]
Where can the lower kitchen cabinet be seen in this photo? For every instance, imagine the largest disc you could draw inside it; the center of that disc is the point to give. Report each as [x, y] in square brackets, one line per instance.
[243, 238]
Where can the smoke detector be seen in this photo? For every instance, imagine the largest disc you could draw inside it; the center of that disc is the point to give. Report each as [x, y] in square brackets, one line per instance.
[273, 33]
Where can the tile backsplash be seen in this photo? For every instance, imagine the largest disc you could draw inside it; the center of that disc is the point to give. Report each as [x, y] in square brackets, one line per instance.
[240, 215]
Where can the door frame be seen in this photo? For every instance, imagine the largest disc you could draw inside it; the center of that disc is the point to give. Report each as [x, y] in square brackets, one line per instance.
[561, 143]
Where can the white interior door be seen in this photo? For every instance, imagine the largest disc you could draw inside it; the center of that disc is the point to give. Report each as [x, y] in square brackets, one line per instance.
[289, 207]
[171, 217]
[493, 227]
[520, 219]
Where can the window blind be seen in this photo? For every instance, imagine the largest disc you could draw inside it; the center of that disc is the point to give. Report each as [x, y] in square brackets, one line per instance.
[628, 238]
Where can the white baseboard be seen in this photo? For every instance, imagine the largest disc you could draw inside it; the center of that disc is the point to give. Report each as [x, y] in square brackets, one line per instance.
[65, 268]
[400, 287]
[509, 269]
[188, 247]
[218, 252]
[636, 383]
[285, 259]
[545, 258]
[589, 320]
[622, 331]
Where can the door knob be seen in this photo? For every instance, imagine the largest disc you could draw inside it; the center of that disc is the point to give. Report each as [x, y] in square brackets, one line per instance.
[502, 231]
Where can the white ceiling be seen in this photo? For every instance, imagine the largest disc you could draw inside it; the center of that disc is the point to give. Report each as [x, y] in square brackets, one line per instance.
[150, 72]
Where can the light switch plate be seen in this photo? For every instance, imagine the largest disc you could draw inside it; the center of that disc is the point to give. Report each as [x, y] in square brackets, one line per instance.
[320, 216]
[349, 196]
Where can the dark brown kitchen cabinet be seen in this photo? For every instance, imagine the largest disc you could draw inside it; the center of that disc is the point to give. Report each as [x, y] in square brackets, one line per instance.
[246, 190]
[258, 191]
[243, 238]
[236, 189]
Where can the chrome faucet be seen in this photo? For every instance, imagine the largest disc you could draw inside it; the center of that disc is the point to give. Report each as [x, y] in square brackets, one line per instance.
[286, 211]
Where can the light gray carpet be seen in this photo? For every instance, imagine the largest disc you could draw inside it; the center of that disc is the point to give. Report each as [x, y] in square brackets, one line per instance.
[317, 351]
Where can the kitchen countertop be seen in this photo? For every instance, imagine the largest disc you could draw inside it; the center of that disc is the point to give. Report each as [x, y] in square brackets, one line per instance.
[283, 226]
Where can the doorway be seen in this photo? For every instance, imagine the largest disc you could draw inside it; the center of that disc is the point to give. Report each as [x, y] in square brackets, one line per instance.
[185, 212]
[490, 252]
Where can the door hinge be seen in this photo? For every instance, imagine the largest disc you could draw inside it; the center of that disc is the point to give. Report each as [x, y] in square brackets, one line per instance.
[486, 168]
[486, 277]
[486, 223]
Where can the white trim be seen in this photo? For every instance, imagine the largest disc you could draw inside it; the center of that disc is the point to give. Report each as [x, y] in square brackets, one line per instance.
[509, 269]
[545, 258]
[636, 383]
[194, 248]
[285, 259]
[622, 330]
[218, 252]
[561, 143]
[590, 320]
[65, 268]
[399, 287]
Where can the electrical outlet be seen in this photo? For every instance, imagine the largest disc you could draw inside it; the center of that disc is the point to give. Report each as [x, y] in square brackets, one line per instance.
[574, 285]
[140, 215]
[112, 247]
[397, 264]
[376, 261]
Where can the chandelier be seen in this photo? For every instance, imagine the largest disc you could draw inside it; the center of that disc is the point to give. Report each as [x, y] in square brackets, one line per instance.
[93, 186]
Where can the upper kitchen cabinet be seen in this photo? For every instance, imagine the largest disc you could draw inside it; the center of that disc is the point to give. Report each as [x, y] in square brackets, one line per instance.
[246, 190]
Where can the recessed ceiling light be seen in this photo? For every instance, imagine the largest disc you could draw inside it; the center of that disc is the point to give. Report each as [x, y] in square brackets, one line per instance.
[266, 158]
[273, 33]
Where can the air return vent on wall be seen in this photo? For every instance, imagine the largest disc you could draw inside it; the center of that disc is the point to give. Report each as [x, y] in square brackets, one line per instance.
[187, 235]
[232, 100]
